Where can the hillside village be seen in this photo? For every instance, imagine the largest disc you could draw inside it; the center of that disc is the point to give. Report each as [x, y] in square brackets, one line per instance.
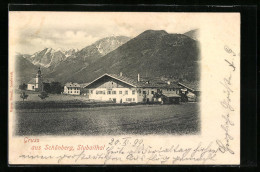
[153, 67]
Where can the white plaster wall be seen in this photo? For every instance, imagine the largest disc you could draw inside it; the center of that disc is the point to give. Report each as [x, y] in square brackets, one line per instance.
[30, 87]
[71, 91]
[117, 96]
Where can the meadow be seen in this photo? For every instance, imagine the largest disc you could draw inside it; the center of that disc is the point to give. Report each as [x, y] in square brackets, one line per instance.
[112, 120]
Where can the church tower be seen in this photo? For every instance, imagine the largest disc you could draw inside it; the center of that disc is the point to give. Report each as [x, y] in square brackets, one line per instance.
[38, 80]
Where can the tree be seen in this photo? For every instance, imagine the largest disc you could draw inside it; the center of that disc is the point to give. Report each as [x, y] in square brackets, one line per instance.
[47, 88]
[43, 95]
[56, 87]
[23, 86]
[24, 96]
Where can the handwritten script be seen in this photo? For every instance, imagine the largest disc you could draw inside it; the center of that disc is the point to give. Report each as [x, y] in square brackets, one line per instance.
[226, 103]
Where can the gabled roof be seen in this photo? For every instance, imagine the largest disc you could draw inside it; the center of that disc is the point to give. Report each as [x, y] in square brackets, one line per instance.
[70, 84]
[190, 86]
[117, 77]
[141, 84]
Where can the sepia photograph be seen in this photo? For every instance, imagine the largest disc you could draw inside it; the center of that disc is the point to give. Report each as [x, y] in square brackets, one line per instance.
[107, 77]
[124, 88]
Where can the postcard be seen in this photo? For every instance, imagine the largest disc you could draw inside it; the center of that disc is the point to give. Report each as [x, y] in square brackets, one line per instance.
[124, 88]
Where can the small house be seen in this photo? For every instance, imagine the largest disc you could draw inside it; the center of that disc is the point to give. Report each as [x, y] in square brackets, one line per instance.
[72, 88]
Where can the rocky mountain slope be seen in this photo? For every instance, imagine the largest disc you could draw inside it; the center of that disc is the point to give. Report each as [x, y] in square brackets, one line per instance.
[86, 57]
[153, 53]
[50, 57]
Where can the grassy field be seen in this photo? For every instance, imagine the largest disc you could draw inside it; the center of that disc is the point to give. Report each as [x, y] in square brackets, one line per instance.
[113, 120]
[33, 97]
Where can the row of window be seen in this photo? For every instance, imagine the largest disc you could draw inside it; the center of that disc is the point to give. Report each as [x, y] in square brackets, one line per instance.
[70, 88]
[72, 91]
[171, 89]
[112, 92]
[127, 99]
[130, 99]
[121, 92]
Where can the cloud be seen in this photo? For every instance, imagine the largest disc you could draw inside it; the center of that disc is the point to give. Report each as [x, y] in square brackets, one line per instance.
[33, 31]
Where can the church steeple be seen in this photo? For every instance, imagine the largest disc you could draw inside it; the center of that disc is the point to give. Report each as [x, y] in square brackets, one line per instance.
[38, 80]
[39, 73]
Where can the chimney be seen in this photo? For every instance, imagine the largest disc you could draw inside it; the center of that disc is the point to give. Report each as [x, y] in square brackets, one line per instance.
[121, 74]
[138, 77]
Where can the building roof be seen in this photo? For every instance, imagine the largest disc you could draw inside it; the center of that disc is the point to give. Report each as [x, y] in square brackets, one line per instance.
[70, 84]
[193, 86]
[143, 83]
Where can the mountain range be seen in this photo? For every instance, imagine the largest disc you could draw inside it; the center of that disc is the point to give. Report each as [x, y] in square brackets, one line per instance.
[153, 53]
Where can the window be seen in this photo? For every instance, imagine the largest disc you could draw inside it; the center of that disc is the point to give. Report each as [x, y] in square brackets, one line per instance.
[120, 92]
[113, 92]
[91, 91]
[99, 92]
[128, 99]
[152, 92]
[32, 87]
[144, 92]
[133, 92]
[108, 92]
[133, 99]
[126, 92]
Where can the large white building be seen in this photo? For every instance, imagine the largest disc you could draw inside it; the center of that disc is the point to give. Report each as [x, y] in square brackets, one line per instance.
[72, 88]
[122, 89]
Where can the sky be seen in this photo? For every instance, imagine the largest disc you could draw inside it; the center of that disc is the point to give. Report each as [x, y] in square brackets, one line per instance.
[30, 32]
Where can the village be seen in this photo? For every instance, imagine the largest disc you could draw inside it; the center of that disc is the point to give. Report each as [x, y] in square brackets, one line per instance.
[116, 89]
[109, 104]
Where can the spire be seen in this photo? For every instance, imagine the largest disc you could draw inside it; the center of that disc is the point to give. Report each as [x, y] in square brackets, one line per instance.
[39, 70]
[39, 73]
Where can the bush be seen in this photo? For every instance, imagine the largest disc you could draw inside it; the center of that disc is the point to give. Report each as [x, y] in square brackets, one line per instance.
[24, 95]
[23, 86]
[43, 95]
[53, 87]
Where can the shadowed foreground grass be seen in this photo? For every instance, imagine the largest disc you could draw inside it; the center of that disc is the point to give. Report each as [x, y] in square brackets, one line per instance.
[113, 120]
